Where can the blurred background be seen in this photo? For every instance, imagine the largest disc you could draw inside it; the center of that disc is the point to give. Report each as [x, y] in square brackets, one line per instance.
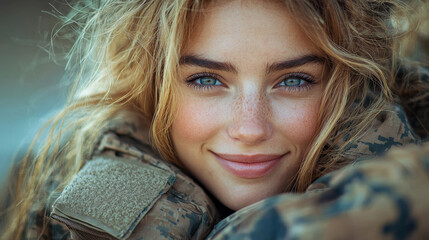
[31, 81]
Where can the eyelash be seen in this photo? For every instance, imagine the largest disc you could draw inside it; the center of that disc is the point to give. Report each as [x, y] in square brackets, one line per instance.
[191, 81]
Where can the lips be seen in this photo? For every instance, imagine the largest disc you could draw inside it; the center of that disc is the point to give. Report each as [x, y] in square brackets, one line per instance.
[249, 166]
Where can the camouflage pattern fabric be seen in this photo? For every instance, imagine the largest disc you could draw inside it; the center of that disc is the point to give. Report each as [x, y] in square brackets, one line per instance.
[390, 129]
[45, 228]
[184, 212]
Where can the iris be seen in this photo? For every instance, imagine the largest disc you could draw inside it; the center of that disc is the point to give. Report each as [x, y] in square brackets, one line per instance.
[208, 81]
[293, 82]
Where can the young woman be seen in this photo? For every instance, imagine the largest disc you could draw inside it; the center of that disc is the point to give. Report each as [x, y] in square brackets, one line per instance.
[186, 111]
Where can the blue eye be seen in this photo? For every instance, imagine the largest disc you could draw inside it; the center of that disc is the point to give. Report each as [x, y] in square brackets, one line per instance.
[204, 81]
[292, 82]
[207, 81]
[296, 81]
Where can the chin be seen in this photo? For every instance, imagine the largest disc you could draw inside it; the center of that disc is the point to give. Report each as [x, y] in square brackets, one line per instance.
[236, 201]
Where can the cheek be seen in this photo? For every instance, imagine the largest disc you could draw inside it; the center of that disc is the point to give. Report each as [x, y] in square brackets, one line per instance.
[196, 121]
[298, 121]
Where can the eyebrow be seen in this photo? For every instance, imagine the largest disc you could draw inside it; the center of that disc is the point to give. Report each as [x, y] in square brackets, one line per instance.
[225, 66]
[206, 63]
[295, 63]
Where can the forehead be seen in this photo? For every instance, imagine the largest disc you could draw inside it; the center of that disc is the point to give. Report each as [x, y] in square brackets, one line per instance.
[265, 28]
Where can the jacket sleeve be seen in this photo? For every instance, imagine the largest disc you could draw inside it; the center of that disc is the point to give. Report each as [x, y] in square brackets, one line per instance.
[125, 193]
[373, 199]
[41, 226]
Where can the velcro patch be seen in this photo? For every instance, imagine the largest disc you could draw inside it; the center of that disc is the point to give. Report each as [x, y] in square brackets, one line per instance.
[112, 195]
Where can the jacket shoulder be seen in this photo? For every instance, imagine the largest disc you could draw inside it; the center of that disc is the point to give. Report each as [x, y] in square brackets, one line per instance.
[126, 191]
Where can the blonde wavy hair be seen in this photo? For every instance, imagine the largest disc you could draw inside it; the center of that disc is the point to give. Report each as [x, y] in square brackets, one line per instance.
[126, 55]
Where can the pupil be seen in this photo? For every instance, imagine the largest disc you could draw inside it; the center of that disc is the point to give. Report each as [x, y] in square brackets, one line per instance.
[292, 82]
[207, 81]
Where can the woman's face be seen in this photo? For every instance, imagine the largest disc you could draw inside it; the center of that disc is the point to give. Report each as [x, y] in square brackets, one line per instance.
[251, 84]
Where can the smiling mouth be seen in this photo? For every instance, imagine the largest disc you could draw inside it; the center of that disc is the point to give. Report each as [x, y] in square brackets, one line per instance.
[249, 166]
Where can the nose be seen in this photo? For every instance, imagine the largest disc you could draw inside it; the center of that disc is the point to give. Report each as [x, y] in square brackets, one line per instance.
[250, 119]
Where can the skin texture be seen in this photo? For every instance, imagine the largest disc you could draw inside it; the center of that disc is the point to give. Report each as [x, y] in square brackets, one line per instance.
[240, 105]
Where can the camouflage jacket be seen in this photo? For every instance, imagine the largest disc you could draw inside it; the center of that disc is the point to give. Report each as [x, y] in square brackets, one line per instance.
[126, 192]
